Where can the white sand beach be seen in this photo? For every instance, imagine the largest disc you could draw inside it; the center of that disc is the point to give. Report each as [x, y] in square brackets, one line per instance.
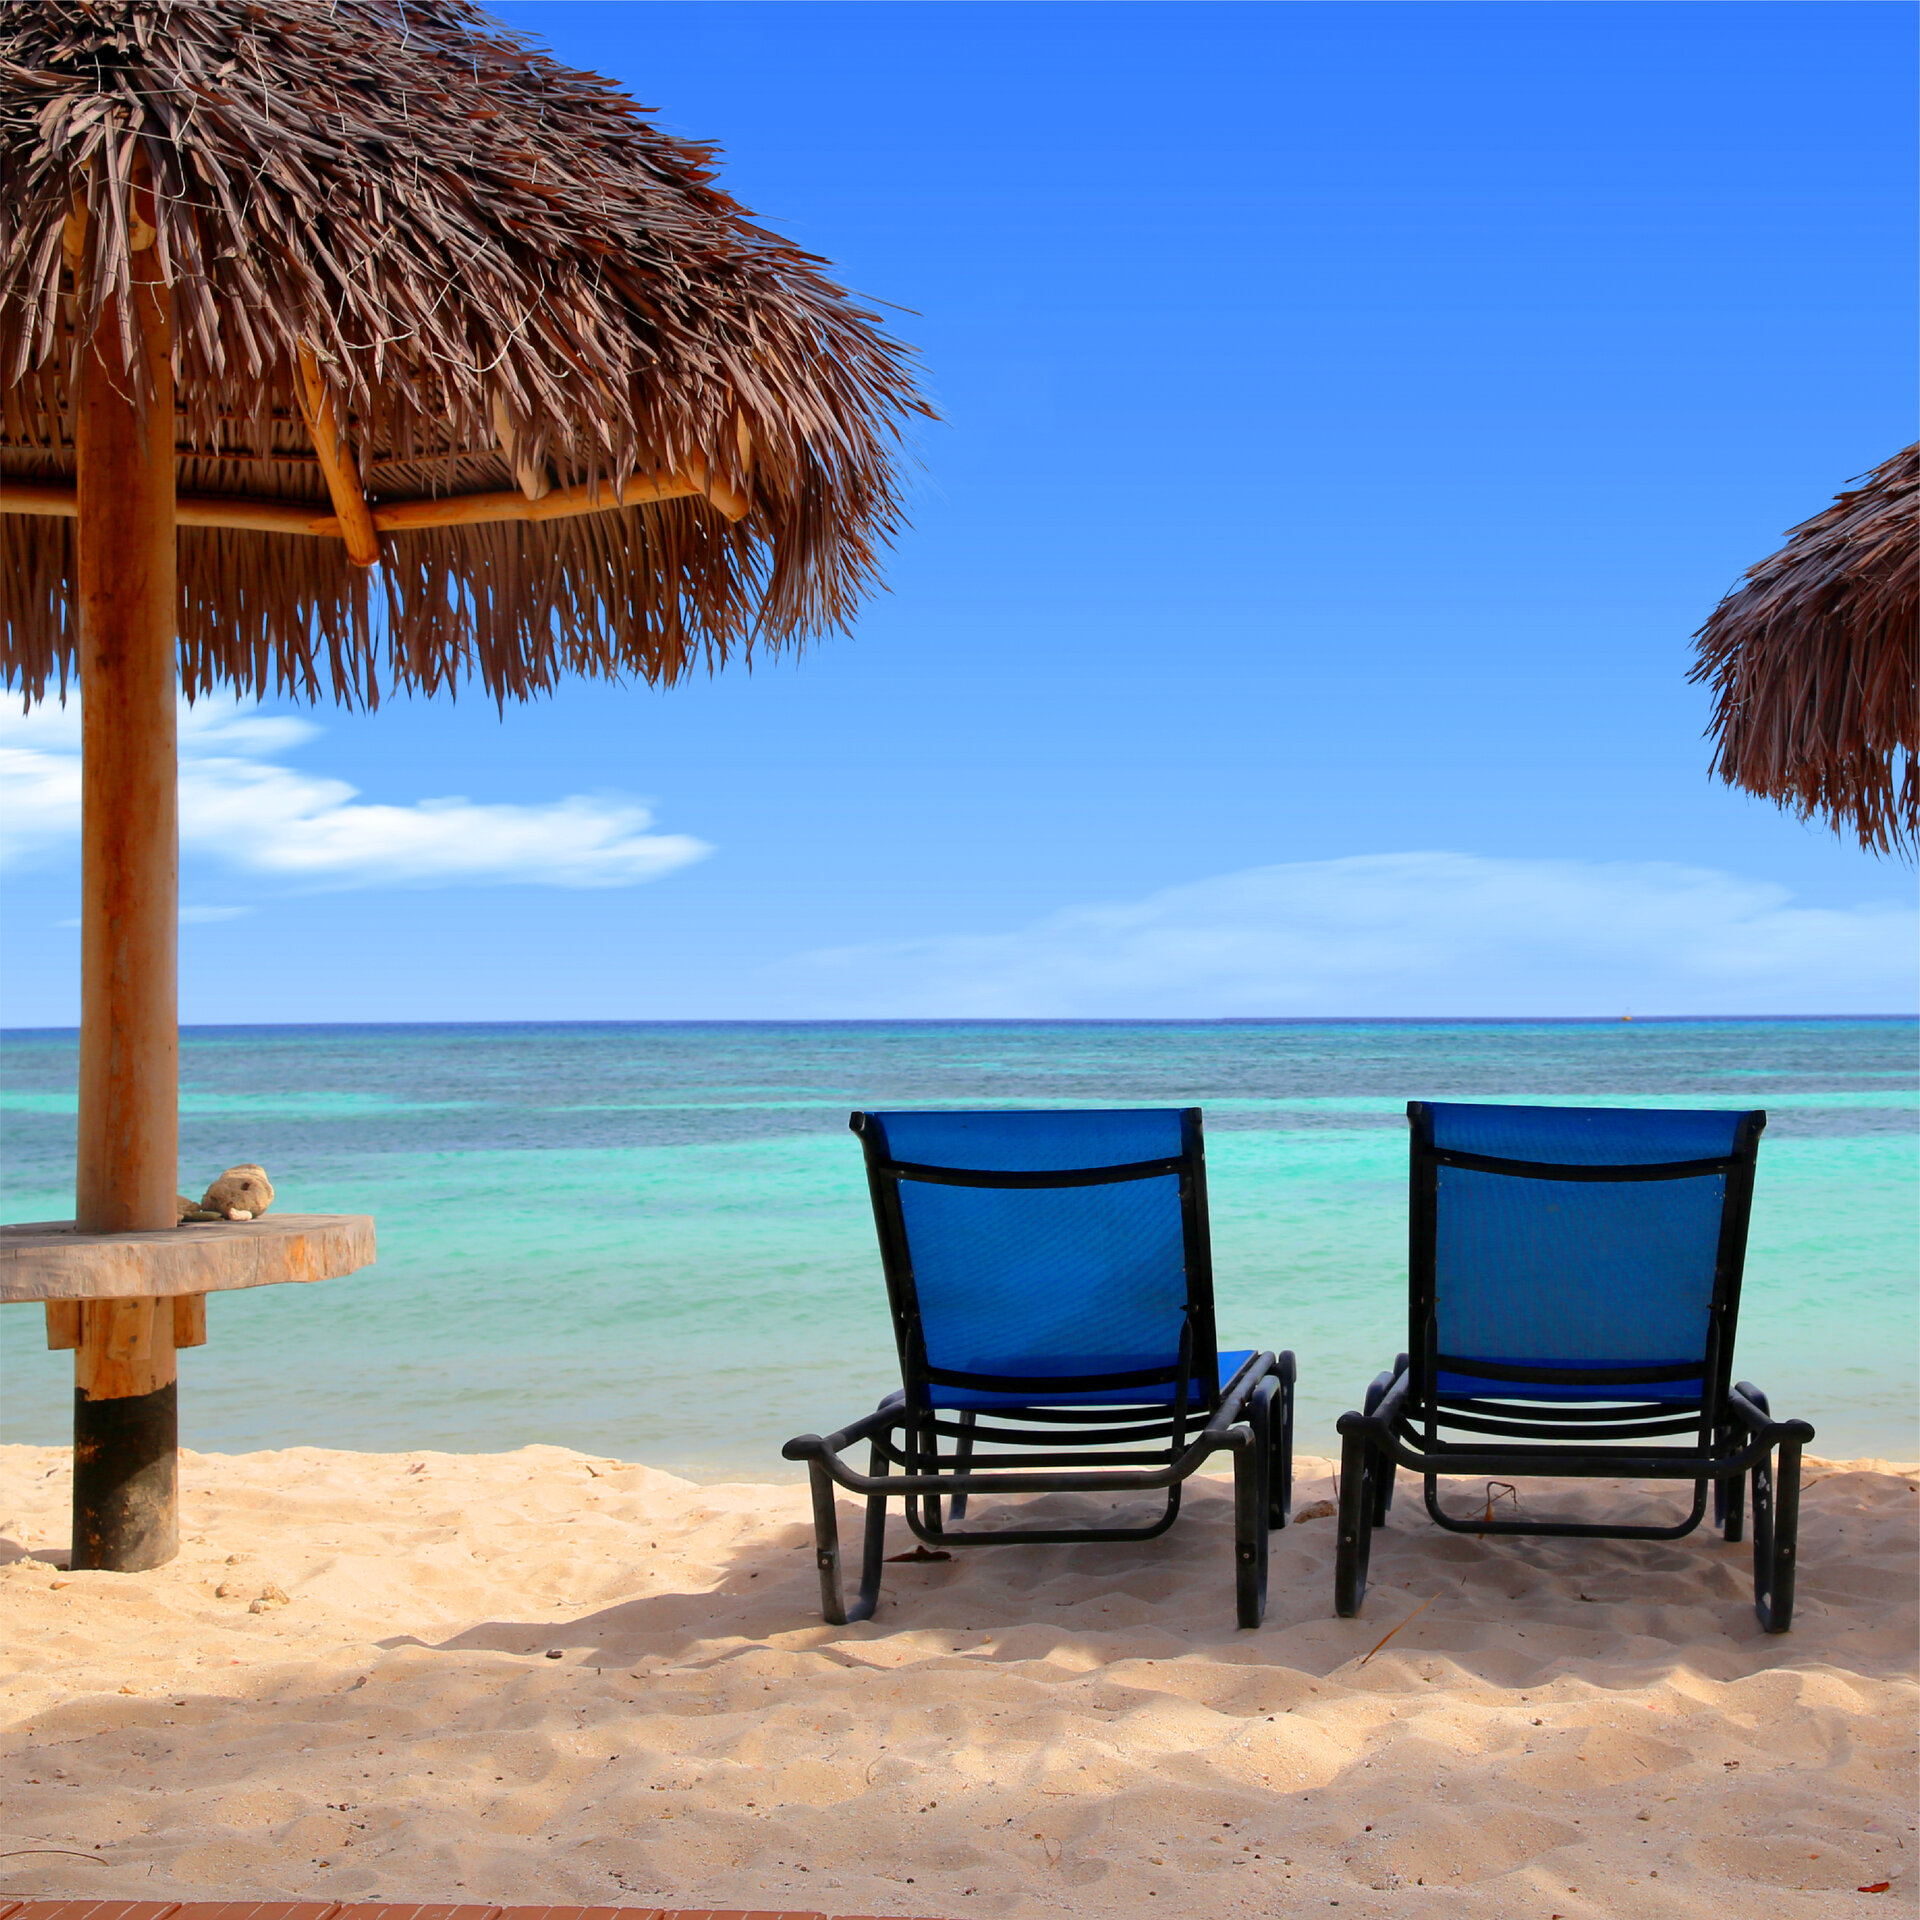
[538, 1676]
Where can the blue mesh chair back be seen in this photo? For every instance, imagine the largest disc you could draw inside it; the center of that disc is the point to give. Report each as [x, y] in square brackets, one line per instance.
[1577, 1241]
[1034, 1285]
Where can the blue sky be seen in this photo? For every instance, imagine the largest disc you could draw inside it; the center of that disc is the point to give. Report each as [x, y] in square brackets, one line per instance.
[1349, 412]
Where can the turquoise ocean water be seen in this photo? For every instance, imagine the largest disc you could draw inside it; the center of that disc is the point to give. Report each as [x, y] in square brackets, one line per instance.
[653, 1240]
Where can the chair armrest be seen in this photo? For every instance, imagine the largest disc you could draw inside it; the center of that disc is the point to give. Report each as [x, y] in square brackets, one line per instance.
[1239, 1387]
[1384, 1409]
[810, 1446]
[1749, 1406]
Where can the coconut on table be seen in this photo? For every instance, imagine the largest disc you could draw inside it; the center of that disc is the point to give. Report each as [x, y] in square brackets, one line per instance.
[350, 347]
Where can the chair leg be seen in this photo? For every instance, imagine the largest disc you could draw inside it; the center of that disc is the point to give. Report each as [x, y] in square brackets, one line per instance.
[1280, 1459]
[923, 1456]
[1776, 1536]
[1383, 1471]
[826, 1548]
[873, 1543]
[1354, 1544]
[962, 1457]
[1251, 1496]
[1729, 1507]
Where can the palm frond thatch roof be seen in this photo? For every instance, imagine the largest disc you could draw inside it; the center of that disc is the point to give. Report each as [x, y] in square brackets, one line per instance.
[1812, 665]
[487, 273]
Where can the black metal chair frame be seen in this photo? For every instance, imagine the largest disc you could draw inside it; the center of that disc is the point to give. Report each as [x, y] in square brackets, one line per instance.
[1054, 1449]
[1736, 1434]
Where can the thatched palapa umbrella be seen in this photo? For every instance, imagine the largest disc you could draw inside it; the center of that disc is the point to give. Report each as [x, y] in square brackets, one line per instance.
[1812, 665]
[352, 345]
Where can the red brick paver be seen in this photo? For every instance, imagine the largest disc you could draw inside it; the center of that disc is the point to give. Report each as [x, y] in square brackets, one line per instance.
[251, 1910]
[407, 1910]
[94, 1909]
[565, 1913]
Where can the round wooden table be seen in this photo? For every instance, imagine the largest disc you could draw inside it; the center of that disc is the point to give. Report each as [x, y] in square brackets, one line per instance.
[125, 1303]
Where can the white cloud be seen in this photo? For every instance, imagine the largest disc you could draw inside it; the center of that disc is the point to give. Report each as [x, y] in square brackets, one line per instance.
[1446, 934]
[39, 781]
[239, 806]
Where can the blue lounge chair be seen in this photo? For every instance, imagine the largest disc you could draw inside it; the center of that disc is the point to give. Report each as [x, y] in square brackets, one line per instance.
[1575, 1279]
[1052, 1292]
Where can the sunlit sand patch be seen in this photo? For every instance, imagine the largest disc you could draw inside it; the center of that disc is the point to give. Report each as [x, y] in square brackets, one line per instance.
[537, 1677]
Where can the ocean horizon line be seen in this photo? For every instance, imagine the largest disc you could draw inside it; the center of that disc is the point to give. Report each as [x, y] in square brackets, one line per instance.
[979, 1021]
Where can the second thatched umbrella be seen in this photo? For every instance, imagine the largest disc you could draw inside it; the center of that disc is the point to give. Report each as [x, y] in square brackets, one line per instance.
[1812, 665]
[348, 346]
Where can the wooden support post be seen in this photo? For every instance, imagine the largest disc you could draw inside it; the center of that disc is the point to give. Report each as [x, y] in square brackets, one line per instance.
[125, 1437]
[124, 1422]
[189, 1320]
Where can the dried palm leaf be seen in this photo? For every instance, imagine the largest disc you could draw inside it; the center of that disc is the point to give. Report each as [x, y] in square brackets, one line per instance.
[1812, 666]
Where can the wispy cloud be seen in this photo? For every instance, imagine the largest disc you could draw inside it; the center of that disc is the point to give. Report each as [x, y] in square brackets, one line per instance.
[240, 806]
[39, 781]
[1404, 933]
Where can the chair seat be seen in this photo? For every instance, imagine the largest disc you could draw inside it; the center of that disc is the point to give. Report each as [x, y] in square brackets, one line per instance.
[957, 1398]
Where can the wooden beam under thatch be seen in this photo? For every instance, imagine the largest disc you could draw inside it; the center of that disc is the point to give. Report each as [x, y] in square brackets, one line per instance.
[413, 260]
[248, 512]
[1812, 666]
[351, 514]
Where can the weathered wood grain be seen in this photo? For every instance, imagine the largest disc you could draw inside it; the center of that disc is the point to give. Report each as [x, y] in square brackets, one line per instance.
[51, 1260]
